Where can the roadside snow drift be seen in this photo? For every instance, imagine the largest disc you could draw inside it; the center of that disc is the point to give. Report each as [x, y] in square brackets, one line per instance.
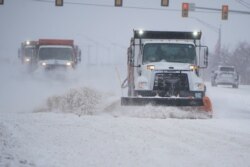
[87, 101]
[82, 101]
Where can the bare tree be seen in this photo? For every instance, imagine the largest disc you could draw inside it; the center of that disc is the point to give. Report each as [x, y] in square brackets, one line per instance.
[241, 59]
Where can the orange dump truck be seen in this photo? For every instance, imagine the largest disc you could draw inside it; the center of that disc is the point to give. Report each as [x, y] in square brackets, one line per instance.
[58, 54]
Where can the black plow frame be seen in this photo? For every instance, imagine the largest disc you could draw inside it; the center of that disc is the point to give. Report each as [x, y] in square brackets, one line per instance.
[168, 101]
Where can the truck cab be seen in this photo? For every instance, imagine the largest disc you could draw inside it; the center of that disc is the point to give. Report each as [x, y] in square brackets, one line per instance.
[164, 68]
[27, 52]
[225, 75]
[57, 54]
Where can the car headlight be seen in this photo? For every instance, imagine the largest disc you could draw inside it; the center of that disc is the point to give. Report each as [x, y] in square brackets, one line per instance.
[44, 64]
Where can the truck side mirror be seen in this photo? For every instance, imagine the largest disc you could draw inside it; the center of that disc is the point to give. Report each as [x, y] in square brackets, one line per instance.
[207, 52]
[203, 56]
[130, 58]
[206, 56]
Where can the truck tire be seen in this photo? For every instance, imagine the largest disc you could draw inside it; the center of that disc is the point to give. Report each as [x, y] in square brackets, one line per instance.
[213, 84]
[236, 86]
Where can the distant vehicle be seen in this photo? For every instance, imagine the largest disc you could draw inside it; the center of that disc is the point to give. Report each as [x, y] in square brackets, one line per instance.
[58, 54]
[27, 53]
[225, 75]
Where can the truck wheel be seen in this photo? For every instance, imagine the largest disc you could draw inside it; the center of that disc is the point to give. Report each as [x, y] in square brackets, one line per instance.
[235, 86]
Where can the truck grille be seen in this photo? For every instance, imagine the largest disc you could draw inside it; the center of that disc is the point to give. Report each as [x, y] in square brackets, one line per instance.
[171, 84]
[56, 67]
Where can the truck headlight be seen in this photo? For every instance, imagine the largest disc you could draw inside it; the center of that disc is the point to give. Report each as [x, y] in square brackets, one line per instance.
[27, 59]
[150, 67]
[193, 67]
[68, 63]
[142, 85]
[44, 64]
[200, 86]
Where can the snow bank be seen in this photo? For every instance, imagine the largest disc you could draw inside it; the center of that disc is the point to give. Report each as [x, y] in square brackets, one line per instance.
[81, 101]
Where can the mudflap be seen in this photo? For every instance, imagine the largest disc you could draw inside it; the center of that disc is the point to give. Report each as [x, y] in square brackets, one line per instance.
[193, 104]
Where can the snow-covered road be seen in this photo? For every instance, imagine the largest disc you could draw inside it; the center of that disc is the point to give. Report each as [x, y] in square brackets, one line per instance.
[31, 136]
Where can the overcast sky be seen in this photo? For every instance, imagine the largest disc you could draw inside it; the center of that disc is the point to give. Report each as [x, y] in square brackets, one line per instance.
[107, 30]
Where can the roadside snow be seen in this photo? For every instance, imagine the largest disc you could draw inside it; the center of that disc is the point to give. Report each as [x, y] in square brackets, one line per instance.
[58, 139]
[66, 131]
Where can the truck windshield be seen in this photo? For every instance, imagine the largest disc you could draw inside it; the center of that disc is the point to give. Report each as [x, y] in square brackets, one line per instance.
[168, 52]
[59, 53]
[29, 51]
[227, 69]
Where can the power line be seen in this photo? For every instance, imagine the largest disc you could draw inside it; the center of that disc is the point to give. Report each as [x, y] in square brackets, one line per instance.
[212, 27]
[202, 9]
[245, 4]
[219, 10]
[123, 7]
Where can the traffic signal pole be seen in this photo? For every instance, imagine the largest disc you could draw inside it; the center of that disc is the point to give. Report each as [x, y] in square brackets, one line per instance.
[219, 10]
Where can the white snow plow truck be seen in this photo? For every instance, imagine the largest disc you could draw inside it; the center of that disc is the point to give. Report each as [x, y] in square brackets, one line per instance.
[164, 69]
[58, 54]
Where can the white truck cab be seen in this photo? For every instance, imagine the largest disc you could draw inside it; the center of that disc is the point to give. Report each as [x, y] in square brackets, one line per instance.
[164, 68]
[57, 54]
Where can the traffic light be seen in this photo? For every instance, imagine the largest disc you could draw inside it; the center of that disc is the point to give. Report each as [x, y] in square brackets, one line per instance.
[164, 2]
[224, 12]
[118, 3]
[1, 2]
[59, 2]
[185, 8]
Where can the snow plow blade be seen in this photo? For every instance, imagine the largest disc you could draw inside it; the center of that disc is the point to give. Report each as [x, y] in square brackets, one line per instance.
[203, 104]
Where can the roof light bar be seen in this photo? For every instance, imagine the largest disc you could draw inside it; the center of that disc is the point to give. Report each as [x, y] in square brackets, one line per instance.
[166, 35]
